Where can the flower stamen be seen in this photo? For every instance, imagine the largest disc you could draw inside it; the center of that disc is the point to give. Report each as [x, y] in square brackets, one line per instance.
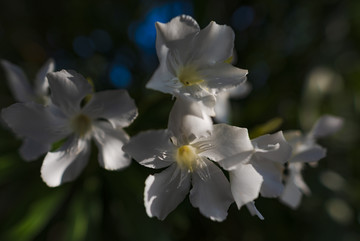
[81, 124]
[187, 157]
[188, 76]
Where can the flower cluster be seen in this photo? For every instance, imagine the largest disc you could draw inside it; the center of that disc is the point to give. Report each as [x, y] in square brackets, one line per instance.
[72, 118]
[218, 164]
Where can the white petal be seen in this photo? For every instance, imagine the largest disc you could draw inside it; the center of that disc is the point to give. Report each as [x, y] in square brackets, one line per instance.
[272, 175]
[18, 83]
[211, 195]
[163, 192]
[292, 136]
[109, 142]
[68, 89]
[188, 121]
[309, 153]
[281, 154]
[253, 210]
[41, 81]
[222, 108]
[291, 195]
[114, 105]
[161, 80]
[326, 126]
[177, 29]
[231, 163]
[65, 164]
[245, 184]
[151, 148]
[226, 141]
[213, 44]
[222, 76]
[31, 150]
[34, 121]
[240, 91]
[295, 172]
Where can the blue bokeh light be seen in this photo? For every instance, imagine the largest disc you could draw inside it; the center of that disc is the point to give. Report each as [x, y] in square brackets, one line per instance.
[242, 18]
[83, 46]
[143, 33]
[120, 76]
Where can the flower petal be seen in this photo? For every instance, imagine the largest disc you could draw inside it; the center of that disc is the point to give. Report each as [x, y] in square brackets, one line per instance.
[291, 195]
[292, 136]
[164, 191]
[226, 141]
[109, 142]
[326, 126]
[41, 81]
[65, 164]
[68, 89]
[240, 91]
[222, 108]
[231, 163]
[281, 154]
[114, 105]
[222, 76]
[245, 184]
[295, 173]
[213, 44]
[211, 195]
[34, 121]
[253, 210]
[31, 150]
[178, 28]
[18, 83]
[161, 80]
[308, 153]
[271, 172]
[151, 148]
[187, 119]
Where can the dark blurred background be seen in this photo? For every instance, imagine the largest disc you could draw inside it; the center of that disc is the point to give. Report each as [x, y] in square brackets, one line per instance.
[303, 61]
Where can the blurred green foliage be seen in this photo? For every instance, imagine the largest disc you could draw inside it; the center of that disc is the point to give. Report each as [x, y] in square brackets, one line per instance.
[303, 59]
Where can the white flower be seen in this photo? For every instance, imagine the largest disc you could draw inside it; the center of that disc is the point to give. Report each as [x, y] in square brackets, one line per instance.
[187, 164]
[257, 168]
[20, 86]
[23, 92]
[189, 119]
[305, 150]
[193, 61]
[70, 117]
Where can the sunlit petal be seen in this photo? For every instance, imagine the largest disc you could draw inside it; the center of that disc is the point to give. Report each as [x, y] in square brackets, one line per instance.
[109, 142]
[68, 89]
[163, 192]
[211, 195]
[151, 148]
[65, 164]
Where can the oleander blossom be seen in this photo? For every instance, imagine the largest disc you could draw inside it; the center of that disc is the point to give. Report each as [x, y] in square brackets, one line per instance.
[187, 154]
[257, 168]
[22, 91]
[75, 116]
[194, 62]
[305, 150]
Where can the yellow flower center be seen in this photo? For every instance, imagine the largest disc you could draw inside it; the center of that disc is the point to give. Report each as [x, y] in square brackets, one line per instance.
[188, 76]
[186, 157]
[81, 124]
